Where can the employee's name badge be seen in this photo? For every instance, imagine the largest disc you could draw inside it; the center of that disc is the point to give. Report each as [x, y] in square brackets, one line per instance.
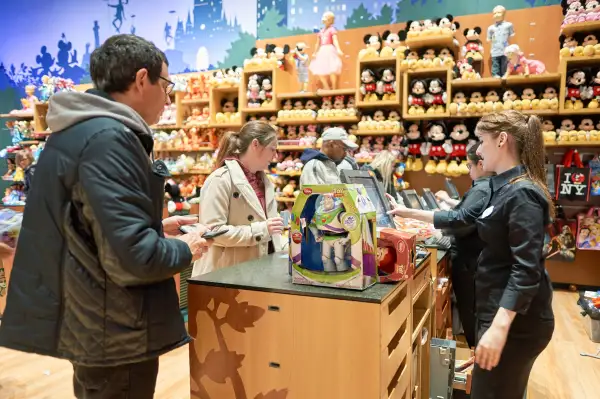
[487, 212]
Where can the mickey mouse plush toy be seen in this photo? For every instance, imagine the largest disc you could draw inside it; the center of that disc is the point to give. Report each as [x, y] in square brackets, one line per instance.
[473, 47]
[437, 149]
[177, 204]
[575, 84]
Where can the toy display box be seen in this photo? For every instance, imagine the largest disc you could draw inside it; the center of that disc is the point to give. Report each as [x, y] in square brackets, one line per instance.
[396, 252]
[333, 239]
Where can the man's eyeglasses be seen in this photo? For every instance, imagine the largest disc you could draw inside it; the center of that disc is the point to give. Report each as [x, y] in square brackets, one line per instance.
[170, 85]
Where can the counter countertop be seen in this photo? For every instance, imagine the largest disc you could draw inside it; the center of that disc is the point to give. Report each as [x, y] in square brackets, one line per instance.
[271, 274]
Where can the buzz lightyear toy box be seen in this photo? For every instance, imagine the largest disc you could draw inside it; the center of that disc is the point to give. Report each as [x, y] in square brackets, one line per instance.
[333, 237]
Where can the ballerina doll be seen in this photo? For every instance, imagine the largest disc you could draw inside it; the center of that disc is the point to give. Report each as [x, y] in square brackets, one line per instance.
[519, 65]
[327, 59]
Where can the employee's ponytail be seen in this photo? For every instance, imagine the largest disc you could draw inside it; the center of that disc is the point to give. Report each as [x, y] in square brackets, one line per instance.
[528, 141]
[235, 144]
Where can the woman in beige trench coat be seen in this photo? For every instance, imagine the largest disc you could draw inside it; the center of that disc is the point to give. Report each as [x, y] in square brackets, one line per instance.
[240, 198]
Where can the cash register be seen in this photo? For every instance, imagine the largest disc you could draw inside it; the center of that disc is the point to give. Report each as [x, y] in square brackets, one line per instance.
[427, 202]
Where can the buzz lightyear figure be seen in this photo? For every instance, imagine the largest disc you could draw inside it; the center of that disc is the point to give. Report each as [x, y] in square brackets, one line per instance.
[329, 230]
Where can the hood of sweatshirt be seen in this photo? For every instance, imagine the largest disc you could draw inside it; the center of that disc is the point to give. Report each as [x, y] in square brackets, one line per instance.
[310, 154]
[71, 107]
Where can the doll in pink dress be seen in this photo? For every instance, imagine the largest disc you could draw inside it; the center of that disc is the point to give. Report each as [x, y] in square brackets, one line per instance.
[519, 65]
[327, 60]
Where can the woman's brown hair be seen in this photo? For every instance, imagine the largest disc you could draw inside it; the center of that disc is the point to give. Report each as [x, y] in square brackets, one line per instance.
[234, 144]
[526, 133]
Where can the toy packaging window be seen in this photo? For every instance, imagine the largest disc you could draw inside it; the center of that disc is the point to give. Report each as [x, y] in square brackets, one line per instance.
[333, 237]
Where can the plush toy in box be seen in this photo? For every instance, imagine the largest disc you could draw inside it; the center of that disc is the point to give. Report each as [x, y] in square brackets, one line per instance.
[332, 237]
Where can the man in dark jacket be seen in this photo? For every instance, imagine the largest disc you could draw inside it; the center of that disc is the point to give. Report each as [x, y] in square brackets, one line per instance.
[92, 278]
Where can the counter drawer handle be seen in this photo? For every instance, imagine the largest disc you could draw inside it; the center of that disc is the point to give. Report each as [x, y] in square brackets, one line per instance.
[274, 365]
[274, 308]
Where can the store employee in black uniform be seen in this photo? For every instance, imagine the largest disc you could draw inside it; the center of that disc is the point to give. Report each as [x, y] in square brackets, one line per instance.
[513, 293]
[459, 223]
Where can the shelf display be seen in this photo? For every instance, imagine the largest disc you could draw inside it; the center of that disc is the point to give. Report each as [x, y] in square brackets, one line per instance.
[197, 87]
[298, 110]
[427, 96]
[169, 116]
[380, 121]
[260, 91]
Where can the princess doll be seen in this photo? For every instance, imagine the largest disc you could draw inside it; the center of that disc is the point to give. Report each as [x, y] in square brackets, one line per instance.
[519, 65]
[327, 56]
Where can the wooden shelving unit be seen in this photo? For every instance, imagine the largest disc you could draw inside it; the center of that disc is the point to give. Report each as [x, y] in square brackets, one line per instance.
[376, 65]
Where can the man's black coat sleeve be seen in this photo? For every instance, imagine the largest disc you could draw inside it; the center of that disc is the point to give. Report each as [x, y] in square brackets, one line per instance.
[114, 174]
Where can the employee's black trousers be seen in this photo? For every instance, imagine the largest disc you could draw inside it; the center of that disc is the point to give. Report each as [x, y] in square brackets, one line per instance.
[463, 284]
[508, 380]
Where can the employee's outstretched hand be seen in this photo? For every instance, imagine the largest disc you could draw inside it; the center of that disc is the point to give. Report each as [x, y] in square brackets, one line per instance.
[397, 209]
[442, 196]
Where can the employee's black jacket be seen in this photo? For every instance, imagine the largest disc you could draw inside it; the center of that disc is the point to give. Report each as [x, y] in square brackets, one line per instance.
[466, 242]
[92, 276]
[511, 272]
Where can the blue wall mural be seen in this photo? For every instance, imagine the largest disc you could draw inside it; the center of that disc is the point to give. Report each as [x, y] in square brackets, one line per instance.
[195, 34]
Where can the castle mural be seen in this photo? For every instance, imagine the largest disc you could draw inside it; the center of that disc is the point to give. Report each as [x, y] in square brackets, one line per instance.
[195, 34]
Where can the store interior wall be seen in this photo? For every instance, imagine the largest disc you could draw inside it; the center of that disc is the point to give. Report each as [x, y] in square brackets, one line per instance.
[208, 34]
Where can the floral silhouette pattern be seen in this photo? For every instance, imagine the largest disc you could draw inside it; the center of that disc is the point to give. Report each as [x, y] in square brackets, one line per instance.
[223, 364]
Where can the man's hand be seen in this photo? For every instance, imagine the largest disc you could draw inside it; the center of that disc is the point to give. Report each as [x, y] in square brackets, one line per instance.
[198, 245]
[172, 224]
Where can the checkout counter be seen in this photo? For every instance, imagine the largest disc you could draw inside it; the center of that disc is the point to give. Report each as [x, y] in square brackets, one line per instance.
[257, 335]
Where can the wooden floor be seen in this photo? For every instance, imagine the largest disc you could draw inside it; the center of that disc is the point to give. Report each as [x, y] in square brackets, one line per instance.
[560, 372]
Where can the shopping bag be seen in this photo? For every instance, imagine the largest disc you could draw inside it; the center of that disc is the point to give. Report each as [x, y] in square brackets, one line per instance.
[573, 179]
[594, 165]
[588, 230]
[560, 243]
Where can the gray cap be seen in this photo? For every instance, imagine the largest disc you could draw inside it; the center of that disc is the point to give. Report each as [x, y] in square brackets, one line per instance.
[337, 133]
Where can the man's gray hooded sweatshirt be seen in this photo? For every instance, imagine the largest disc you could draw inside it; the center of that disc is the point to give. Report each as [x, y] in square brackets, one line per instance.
[92, 278]
[318, 169]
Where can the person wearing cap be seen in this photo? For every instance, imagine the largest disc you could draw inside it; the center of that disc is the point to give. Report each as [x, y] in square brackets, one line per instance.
[321, 167]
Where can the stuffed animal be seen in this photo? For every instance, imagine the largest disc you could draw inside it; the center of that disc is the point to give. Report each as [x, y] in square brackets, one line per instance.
[464, 70]
[459, 104]
[549, 132]
[177, 204]
[386, 87]
[436, 96]
[437, 148]
[576, 80]
[253, 94]
[416, 102]
[473, 47]
[392, 44]
[529, 99]
[509, 98]
[411, 60]
[492, 102]
[593, 91]
[368, 87]
[476, 103]
[414, 147]
[567, 131]
[373, 45]
[461, 142]
[413, 29]
[549, 99]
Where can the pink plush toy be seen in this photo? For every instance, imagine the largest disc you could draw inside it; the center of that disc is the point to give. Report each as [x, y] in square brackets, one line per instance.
[519, 65]
[592, 10]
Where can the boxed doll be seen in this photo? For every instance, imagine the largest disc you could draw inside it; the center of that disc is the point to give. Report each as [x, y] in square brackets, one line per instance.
[333, 240]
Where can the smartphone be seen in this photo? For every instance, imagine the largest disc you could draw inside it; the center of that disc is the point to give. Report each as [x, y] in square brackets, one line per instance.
[213, 234]
[286, 216]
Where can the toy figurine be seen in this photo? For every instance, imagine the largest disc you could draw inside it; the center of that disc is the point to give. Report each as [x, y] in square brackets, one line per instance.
[302, 60]
[519, 65]
[576, 81]
[386, 87]
[177, 204]
[415, 145]
[473, 47]
[253, 94]
[328, 229]
[368, 87]
[498, 34]
[327, 56]
[418, 89]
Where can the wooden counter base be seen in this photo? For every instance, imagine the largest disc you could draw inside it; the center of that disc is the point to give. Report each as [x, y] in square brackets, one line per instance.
[255, 344]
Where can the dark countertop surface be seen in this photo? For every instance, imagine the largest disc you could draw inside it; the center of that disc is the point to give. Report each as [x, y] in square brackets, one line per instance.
[271, 274]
